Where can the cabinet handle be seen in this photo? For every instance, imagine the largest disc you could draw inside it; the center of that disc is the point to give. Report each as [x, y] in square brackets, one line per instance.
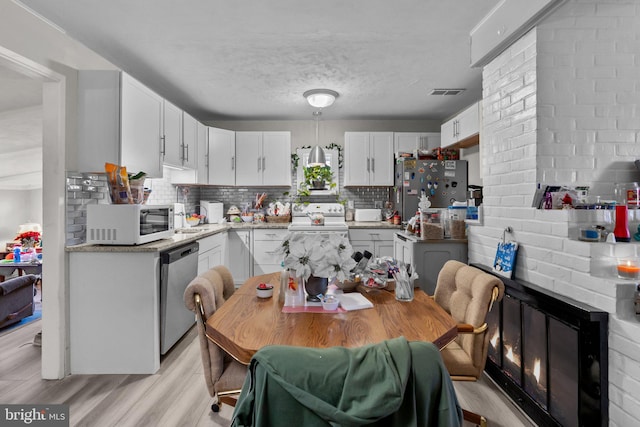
[368, 164]
[258, 164]
[263, 164]
[233, 162]
[206, 160]
[373, 165]
[163, 151]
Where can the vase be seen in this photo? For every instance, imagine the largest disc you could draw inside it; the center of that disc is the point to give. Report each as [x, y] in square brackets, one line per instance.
[318, 185]
[315, 287]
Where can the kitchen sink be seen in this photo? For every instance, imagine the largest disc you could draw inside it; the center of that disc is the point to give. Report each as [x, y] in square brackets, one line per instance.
[188, 230]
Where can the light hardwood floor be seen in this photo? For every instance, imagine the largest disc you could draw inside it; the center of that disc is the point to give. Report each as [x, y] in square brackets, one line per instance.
[175, 396]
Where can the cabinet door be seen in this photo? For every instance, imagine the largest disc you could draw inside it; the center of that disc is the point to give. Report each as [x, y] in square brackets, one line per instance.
[249, 158]
[202, 160]
[240, 255]
[381, 158]
[406, 142]
[141, 126]
[447, 133]
[276, 158]
[189, 151]
[429, 140]
[98, 119]
[468, 122]
[356, 158]
[172, 135]
[384, 248]
[222, 157]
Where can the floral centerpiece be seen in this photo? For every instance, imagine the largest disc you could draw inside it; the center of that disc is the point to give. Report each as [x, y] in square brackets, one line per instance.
[29, 239]
[317, 255]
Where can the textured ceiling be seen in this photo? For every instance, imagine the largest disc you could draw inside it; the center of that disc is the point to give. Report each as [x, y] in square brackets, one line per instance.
[253, 59]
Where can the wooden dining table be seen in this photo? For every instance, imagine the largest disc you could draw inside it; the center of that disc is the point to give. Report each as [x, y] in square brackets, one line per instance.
[245, 323]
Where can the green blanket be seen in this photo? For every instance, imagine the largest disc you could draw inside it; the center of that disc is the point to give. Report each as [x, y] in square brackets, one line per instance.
[393, 383]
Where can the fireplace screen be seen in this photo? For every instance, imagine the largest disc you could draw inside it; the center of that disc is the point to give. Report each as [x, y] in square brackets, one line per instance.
[535, 353]
[563, 365]
[511, 338]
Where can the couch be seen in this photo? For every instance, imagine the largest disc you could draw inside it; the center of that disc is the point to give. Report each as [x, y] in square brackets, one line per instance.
[16, 299]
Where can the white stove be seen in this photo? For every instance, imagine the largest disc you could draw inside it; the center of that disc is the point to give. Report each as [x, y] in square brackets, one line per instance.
[331, 213]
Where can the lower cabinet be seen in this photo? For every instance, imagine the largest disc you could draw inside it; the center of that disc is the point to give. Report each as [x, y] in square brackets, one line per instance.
[378, 241]
[266, 257]
[240, 260]
[428, 257]
[212, 252]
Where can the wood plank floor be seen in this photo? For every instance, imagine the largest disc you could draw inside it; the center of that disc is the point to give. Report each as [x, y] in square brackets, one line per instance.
[175, 396]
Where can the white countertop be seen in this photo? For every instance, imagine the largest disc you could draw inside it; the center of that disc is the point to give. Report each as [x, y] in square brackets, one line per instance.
[205, 230]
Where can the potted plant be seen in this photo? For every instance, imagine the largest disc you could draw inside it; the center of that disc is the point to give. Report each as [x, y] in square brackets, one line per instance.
[317, 177]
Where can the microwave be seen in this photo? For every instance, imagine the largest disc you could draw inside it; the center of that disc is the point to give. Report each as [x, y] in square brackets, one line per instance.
[128, 224]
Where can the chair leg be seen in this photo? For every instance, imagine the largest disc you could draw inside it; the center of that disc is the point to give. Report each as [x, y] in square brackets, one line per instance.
[474, 418]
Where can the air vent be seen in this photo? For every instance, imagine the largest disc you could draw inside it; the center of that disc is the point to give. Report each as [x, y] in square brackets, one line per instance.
[446, 91]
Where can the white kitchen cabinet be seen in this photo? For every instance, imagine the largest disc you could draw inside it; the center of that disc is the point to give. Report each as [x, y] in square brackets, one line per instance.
[189, 149]
[266, 257]
[378, 241]
[368, 159]
[428, 257]
[202, 159]
[172, 125]
[408, 142]
[461, 127]
[263, 158]
[239, 260]
[212, 252]
[123, 289]
[119, 121]
[222, 157]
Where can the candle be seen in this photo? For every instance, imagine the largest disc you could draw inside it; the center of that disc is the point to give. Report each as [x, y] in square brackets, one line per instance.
[628, 270]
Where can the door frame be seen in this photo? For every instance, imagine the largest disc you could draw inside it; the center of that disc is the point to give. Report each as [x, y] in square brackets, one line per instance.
[55, 290]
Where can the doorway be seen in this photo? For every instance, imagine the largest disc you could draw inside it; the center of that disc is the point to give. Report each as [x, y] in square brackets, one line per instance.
[55, 291]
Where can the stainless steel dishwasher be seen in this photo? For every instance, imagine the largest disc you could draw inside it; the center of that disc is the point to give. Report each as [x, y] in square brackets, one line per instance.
[177, 268]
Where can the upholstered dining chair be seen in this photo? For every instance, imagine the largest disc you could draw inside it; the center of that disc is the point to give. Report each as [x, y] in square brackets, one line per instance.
[223, 375]
[468, 294]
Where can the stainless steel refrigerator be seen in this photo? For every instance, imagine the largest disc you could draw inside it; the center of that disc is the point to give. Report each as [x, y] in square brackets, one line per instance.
[443, 181]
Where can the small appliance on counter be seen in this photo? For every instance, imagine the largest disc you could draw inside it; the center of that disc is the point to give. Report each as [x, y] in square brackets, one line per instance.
[129, 224]
[368, 215]
[179, 216]
[213, 210]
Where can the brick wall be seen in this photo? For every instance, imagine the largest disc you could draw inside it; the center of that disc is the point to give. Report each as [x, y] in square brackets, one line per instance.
[561, 107]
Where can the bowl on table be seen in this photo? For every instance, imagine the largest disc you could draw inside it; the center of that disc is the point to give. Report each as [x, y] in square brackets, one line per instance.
[330, 302]
[192, 221]
[264, 290]
[247, 218]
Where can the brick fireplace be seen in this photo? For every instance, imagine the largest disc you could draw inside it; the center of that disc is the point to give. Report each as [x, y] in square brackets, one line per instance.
[549, 353]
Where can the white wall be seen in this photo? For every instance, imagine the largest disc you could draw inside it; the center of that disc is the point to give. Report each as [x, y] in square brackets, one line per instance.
[561, 106]
[18, 207]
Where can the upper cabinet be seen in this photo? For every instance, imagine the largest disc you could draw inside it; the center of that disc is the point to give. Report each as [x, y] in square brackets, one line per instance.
[202, 160]
[462, 128]
[173, 148]
[119, 121]
[368, 159]
[189, 149]
[222, 157]
[409, 142]
[263, 158]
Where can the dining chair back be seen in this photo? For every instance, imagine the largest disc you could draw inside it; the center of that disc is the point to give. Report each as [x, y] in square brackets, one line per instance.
[468, 294]
[223, 375]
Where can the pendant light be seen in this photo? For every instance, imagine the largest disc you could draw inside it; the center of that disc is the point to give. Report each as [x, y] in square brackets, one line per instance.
[316, 156]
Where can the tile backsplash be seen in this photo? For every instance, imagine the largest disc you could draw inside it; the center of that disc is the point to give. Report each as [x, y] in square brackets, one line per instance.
[87, 188]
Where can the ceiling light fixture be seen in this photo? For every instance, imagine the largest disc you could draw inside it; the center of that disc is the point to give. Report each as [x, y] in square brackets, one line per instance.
[320, 98]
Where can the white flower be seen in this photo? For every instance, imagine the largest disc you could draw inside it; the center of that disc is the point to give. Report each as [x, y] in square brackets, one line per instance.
[319, 254]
